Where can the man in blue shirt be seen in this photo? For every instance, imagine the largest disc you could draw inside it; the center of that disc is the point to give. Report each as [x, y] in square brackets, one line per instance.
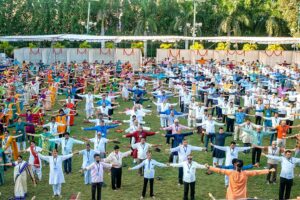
[101, 128]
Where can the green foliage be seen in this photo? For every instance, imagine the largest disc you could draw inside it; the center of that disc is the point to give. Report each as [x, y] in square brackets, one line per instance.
[150, 17]
[274, 47]
[166, 46]
[197, 46]
[6, 48]
[249, 47]
[58, 45]
[110, 45]
[32, 45]
[223, 46]
[84, 45]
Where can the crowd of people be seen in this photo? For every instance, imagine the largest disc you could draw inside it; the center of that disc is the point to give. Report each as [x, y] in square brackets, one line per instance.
[251, 106]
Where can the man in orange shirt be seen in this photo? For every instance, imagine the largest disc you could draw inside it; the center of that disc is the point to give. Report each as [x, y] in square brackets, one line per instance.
[282, 130]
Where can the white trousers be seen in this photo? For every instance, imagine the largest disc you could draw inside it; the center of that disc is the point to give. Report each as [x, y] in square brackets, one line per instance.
[37, 171]
[56, 189]
[19, 145]
[87, 177]
[218, 161]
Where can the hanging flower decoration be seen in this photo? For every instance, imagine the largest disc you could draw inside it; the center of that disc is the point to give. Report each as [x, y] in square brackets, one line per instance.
[249, 47]
[274, 47]
[223, 46]
[166, 46]
[197, 46]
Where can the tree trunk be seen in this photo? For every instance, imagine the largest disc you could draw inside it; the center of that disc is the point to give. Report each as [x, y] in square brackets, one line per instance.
[102, 33]
[145, 45]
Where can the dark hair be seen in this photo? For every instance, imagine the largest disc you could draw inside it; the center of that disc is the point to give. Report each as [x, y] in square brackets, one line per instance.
[96, 155]
[234, 161]
[233, 142]
[239, 165]
[116, 147]
[66, 133]
[32, 141]
[221, 128]
[19, 156]
[288, 151]
[45, 129]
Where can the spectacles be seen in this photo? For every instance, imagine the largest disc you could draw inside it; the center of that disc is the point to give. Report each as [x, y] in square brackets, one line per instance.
[190, 158]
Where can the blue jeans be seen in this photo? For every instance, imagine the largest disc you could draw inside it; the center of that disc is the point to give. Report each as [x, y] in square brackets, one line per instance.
[211, 137]
[68, 165]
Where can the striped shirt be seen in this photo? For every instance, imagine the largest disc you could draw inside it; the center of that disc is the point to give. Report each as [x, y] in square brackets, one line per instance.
[97, 171]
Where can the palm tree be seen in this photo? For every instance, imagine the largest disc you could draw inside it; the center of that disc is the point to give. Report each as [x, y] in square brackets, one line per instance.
[235, 17]
[270, 19]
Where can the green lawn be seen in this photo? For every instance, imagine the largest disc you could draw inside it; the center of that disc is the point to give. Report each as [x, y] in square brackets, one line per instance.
[164, 189]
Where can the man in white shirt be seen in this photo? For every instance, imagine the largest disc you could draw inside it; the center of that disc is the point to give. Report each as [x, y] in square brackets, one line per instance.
[231, 152]
[87, 159]
[189, 175]
[149, 172]
[142, 148]
[97, 171]
[288, 164]
[115, 158]
[66, 148]
[100, 143]
[183, 151]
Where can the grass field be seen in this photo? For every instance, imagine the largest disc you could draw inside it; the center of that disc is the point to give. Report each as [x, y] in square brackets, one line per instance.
[164, 189]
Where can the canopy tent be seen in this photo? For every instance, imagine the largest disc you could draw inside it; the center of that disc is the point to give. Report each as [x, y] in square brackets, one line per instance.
[117, 39]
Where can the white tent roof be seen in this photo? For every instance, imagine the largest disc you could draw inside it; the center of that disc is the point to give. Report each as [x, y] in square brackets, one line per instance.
[117, 39]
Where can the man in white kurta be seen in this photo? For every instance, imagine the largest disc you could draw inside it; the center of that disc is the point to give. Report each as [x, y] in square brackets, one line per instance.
[56, 175]
[87, 159]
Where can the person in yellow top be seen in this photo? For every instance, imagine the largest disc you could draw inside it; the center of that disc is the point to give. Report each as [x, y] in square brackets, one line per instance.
[227, 86]
[9, 144]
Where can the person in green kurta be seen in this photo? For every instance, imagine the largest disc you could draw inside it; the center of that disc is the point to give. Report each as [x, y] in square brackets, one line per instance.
[43, 140]
[2, 162]
[20, 129]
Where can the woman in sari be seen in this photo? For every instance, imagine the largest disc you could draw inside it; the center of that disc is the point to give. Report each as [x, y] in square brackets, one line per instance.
[20, 129]
[62, 119]
[21, 167]
[10, 146]
[44, 143]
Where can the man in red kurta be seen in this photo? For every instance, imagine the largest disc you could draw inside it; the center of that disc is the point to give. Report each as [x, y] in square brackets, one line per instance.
[136, 137]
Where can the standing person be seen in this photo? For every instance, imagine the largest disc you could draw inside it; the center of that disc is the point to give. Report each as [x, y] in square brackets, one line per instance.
[183, 151]
[273, 151]
[66, 148]
[219, 155]
[231, 152]
[35, 160]
[97, 170]
[56, 176]
[100, 143]
[142, 148]
[149, 172]
[189, 175]
[210, 130]
[20, 177]
[257, 139]
[288, 163]
[116, 158]
[237, 188]
[282, 131]
[89, 103]
[87, 159]
[20, 129]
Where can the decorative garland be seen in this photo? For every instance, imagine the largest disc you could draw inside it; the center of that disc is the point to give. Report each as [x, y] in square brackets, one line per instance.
[199, 53]
[128, 54]
[235, 52]
[273, 53]
[104, 53]
[171, 54]
[59, 52]
[82, 52]
[34, 53]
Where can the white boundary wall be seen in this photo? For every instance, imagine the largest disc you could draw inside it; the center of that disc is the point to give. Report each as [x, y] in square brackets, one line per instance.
[266, 57]
[51, 55]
